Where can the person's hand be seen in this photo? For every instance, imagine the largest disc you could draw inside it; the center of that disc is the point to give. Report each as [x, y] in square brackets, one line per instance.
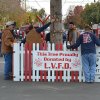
[15, 40]
[68, 47]
[12, 45]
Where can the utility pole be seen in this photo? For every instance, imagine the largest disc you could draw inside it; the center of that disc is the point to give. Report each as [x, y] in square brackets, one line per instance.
[25, 5]
[56, 27]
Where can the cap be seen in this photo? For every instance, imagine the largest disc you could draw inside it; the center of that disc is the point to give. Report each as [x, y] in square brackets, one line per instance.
[87, 27]
[10, 23]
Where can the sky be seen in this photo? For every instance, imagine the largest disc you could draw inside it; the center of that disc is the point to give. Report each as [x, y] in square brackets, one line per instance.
[38, 4]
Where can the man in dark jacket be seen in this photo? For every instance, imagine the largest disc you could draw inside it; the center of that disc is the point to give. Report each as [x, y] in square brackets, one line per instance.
[87, 41]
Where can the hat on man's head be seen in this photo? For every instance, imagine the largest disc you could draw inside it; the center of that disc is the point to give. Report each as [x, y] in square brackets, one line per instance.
[87, 27]
[10, 23]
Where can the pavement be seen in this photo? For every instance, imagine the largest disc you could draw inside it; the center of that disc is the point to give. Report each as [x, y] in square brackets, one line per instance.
[10, 90]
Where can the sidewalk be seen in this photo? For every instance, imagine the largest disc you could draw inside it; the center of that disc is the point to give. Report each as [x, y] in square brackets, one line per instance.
[10, 90]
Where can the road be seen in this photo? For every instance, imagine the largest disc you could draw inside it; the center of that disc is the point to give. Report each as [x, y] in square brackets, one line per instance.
[10, 90]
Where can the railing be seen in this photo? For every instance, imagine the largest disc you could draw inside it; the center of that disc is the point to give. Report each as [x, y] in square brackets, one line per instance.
[49, 63]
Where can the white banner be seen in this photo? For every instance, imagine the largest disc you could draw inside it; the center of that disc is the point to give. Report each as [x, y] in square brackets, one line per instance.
[57, 60]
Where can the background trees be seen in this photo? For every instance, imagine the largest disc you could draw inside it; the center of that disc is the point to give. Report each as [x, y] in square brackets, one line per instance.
[91, 13]
[75, 16]
[10, 10]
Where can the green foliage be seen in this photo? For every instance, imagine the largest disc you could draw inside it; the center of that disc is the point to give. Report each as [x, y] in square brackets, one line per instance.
[32, 15]
[75, 16]
[11, 10]
[91, 13]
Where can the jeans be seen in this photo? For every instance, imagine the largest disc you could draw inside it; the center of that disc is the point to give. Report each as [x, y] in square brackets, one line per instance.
[7, 65]
[89, 66]
[0, 50]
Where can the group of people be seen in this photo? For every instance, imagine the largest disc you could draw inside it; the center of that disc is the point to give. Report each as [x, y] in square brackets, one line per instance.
[8, 39]
[87, 40]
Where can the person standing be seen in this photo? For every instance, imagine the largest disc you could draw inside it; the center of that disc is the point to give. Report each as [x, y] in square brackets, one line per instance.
[34, 35]
[87, 40]
[73, 34]
[7, 48]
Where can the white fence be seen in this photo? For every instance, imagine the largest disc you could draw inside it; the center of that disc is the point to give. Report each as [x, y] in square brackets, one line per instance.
[49, 63]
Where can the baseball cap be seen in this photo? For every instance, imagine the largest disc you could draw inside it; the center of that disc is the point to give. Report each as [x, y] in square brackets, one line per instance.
[88, 27]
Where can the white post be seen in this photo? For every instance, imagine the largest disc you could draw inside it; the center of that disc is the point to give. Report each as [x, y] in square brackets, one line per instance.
[16, 60]
[22, 62]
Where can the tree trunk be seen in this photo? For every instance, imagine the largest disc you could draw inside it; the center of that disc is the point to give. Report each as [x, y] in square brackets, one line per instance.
[56, 27]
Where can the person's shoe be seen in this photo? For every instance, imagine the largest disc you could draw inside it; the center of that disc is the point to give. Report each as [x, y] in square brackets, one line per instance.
[91, 81]
[7, 78]
[87, 82]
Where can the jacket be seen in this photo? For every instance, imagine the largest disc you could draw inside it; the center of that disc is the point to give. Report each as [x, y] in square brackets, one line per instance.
[87, 41]
[33, 37]
[73, 34]
[7, 40]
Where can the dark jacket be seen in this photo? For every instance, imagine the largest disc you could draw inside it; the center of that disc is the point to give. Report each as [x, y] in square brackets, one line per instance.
[47, 38]
[87, 41]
